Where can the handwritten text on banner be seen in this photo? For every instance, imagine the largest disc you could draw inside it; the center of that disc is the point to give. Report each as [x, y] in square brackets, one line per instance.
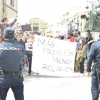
[53, 57]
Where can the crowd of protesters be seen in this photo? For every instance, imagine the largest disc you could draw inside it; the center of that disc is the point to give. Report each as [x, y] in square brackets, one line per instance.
[83, 44]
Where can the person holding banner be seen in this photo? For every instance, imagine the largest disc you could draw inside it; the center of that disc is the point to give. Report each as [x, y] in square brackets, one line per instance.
[19, 40]
[29, 53]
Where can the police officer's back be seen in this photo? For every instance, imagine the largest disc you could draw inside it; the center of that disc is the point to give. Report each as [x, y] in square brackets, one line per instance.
[11, 56]
[94, 55]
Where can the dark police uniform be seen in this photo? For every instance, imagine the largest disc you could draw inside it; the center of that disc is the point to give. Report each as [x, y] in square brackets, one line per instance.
[94, 55]
[11, 56]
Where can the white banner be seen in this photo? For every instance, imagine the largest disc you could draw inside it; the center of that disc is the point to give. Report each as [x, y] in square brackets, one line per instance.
[53, 57]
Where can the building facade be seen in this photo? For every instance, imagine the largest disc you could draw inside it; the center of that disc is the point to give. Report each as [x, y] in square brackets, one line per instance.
[39, 25]
[71, 21]
[8, 8]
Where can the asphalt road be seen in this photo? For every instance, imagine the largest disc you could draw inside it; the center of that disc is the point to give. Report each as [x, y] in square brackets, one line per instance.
[56, 88]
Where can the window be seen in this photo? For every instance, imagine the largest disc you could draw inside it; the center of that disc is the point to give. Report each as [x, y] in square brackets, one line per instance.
[18, 27]
[12, 2]
[35, 28]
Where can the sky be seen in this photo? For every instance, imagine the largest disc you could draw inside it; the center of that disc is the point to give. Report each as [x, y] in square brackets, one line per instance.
[49, 10]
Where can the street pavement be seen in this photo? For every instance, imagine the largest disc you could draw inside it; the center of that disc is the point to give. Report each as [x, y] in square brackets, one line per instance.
[56, 88]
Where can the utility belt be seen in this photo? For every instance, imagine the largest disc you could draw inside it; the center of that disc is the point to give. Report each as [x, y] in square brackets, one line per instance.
[6, 74]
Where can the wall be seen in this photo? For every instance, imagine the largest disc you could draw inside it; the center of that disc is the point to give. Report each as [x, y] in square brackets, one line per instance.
[11, 10]
[7, 10]
[40, 23]
[1, 9]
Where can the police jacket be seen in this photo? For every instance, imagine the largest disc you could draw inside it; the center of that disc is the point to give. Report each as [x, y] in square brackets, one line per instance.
[89, 38]
[2, 26]
[94, 55]
[11, 56]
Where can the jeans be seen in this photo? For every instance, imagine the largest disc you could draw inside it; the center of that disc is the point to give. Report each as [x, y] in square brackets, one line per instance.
[82, 66]
[30, 62]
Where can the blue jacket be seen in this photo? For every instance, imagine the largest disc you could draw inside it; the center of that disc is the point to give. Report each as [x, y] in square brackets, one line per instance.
[94, 55]
[11, 56]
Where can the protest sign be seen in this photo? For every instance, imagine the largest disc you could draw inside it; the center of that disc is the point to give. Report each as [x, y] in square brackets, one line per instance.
[26, 27]
[29, 46]
[53, 57]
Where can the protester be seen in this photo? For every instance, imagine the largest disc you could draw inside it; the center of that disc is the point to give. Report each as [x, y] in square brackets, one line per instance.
[5, 23]
[89, 40]
[82, 50]
[58, 37]
[42, 34]
[1, 39]
[68, 39]
[78, 34]
[62, 37]
[84, 56]
[29, 53]
[25, 38]
[71, 37]
[77, 40]
[76, 31]
[18, 39]
[79, 57]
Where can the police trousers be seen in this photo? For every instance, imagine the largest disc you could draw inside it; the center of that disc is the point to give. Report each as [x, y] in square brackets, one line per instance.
[13, 82]
[94, 87]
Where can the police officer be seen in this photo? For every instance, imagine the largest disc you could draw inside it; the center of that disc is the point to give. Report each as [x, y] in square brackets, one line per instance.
[11, 56]
[94, 55]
